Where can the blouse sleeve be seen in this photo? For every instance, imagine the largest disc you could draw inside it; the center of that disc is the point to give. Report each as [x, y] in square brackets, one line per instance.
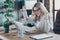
[25, 14]
[48, 24]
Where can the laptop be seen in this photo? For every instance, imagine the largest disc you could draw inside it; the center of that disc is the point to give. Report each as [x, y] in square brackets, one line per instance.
[41, 36]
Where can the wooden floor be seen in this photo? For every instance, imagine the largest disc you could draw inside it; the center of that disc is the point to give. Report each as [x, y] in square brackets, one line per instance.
[12, 35]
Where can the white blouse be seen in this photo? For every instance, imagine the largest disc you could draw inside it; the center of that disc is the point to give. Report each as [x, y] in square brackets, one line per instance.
[45, 24]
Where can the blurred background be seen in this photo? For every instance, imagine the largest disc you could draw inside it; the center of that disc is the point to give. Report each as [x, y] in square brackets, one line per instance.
[51, 5]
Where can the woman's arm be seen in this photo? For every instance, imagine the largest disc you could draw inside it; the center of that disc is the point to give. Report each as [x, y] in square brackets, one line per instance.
[24, 13]
[31, 18]
[48, 25]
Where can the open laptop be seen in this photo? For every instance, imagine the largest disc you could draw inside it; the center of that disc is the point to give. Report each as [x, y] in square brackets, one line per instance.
[41, 36]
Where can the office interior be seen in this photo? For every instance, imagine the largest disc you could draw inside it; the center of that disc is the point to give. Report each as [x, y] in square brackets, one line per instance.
[51, 5]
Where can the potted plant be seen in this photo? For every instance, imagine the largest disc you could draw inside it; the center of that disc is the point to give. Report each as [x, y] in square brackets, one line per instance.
[7, 22]
[6, 26]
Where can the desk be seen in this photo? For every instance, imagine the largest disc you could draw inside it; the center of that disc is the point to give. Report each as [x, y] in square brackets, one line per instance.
[13, 36]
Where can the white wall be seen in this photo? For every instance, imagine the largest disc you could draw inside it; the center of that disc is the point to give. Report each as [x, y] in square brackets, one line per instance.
[30, 3]
[51, 12]
[51, 7]
[2, 0]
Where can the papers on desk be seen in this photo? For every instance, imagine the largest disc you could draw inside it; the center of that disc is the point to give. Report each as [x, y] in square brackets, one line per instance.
[29, 31]
[41, 36]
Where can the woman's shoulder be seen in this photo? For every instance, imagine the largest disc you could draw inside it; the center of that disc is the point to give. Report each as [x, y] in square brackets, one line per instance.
[45, 17]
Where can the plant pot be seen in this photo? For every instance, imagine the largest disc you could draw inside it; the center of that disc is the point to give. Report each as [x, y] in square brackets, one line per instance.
[6, 26]
[6, 29]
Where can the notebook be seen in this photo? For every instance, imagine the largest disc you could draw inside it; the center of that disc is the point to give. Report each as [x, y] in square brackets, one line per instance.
[41, 36]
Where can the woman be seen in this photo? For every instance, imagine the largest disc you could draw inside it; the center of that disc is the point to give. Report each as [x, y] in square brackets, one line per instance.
[42, 22]
[40, 17]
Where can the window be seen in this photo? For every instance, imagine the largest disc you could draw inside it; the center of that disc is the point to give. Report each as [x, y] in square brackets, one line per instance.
[56, 7]
[30, 3]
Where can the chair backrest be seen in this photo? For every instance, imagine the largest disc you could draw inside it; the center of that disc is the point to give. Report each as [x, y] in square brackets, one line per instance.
[57, 23]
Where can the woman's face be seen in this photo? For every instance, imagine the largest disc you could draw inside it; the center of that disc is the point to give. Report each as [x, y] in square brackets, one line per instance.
[37, 11]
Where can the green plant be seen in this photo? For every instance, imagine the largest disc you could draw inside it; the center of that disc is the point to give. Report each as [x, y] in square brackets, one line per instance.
[6, 23]
[6, 26]
[7, 9]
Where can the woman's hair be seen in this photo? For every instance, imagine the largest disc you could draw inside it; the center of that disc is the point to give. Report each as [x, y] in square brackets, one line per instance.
[41, 7]
[37, 5]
